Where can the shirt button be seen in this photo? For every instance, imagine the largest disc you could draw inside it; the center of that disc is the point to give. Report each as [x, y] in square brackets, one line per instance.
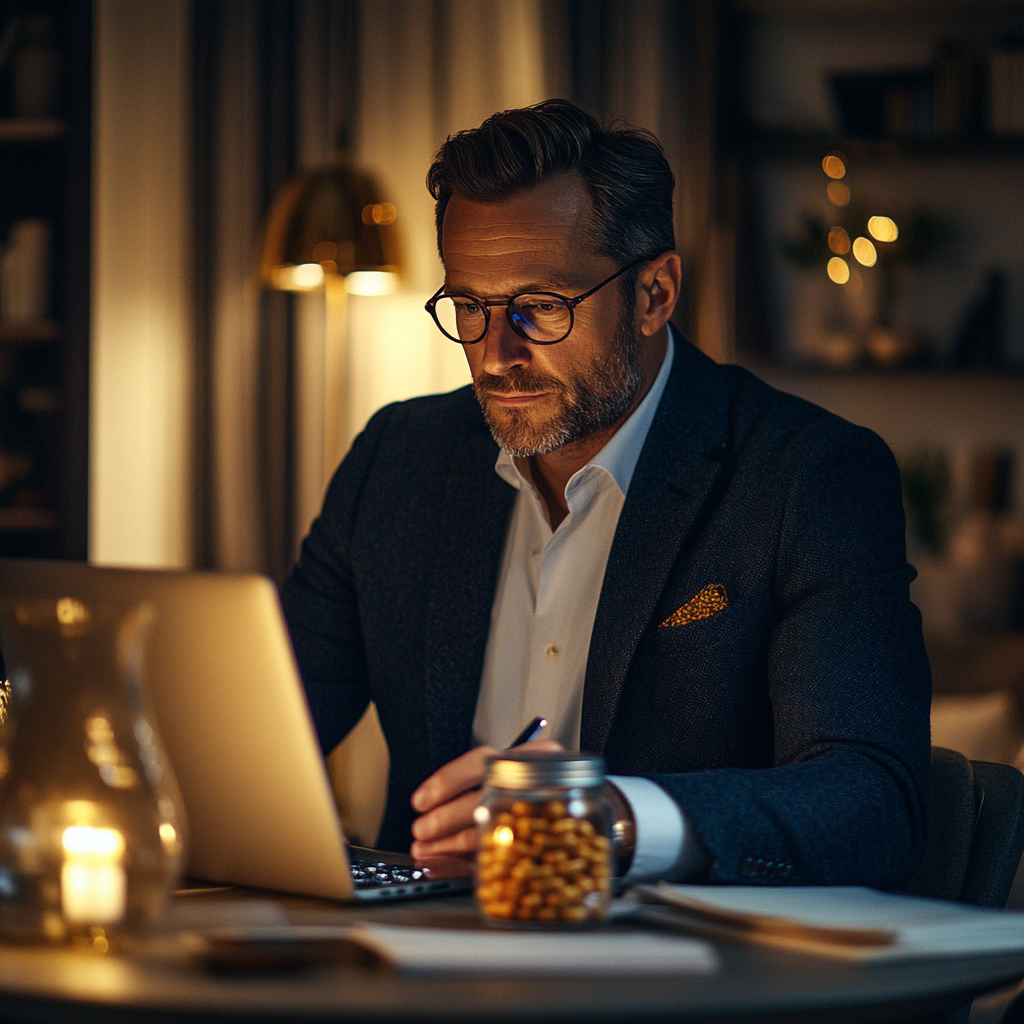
[551, 650]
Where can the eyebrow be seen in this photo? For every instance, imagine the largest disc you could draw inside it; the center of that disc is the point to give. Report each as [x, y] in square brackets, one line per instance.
[533, 286]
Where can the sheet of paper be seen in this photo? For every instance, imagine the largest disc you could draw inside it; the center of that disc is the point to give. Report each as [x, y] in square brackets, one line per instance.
[915, 927]
[447, 951]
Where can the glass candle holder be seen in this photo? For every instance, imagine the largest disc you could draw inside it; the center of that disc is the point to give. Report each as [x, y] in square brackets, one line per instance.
[91, 821]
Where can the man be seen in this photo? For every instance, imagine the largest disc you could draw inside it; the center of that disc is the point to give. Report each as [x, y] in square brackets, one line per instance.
[697, 576]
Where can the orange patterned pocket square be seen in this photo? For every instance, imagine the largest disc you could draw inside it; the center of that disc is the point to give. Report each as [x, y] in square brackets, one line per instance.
[710, 601]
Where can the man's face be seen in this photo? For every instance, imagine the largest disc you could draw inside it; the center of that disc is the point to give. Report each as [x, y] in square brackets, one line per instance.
[537, 398]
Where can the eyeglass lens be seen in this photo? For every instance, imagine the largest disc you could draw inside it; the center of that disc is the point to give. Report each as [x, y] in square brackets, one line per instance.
[541, 318]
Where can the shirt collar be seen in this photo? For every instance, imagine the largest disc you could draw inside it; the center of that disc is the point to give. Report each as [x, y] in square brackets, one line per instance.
[619, 456]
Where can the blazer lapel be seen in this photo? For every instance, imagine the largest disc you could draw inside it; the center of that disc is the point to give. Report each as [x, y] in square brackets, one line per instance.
[469, 544]
[677, 471]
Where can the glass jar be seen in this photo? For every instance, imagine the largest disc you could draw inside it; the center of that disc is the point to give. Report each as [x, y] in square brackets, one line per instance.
[91, 823]
[544, 849]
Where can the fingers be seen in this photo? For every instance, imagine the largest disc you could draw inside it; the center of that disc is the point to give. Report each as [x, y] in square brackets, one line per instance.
[543, 745]
[447, 799]
[449, 817]
[458, 844]
[464, 773]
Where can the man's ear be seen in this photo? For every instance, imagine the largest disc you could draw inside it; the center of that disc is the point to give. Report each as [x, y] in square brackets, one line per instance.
[658, 287]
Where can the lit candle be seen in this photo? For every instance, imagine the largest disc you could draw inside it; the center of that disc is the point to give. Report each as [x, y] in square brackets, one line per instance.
[92, 880]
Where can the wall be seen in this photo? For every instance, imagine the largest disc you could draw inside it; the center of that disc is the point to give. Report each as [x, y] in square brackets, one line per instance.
[141, 373]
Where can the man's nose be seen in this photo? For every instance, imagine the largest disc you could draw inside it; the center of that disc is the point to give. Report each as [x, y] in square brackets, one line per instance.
[503, 348]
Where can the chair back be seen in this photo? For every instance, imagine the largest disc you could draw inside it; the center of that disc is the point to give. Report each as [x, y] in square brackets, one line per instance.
[975, 831]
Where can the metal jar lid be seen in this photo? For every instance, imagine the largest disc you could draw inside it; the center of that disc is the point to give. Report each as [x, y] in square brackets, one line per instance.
[540, 769]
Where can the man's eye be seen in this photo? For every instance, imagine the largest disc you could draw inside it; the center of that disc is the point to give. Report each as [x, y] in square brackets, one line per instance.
[468, 308]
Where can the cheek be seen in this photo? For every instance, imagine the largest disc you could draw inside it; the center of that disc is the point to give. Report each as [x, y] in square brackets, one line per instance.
[595, 330]
[474, 356]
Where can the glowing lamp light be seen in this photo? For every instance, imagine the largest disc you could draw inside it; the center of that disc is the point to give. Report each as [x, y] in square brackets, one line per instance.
[330, 221]
[304, 277]
[503, 836]
[371, 282]
[838, 270]
[839, 241]
[883, 229]
[169, 839]
[838, 193]
[864, 252]
[92, 880]
[834, 165]
[380, 213]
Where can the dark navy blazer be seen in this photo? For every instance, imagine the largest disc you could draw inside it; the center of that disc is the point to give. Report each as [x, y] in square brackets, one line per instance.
[792, 726]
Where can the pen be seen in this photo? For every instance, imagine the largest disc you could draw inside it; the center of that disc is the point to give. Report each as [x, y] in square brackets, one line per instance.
[529, 732]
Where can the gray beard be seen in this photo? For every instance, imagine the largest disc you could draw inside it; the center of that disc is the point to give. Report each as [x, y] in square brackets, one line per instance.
[590, 401]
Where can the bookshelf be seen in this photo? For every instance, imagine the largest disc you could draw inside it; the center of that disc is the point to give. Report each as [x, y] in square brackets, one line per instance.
[780, 71]
[44, 358]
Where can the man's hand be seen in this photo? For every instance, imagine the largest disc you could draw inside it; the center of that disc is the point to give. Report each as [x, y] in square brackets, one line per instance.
[446, 802]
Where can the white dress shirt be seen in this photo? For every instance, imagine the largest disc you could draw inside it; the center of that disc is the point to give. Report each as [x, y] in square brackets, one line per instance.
[548, 589]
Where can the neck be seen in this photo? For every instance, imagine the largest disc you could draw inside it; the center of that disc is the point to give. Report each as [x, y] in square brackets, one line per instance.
[550, 473]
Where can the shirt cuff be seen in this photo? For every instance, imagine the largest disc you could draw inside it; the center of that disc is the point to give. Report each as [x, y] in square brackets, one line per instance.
[665, 842]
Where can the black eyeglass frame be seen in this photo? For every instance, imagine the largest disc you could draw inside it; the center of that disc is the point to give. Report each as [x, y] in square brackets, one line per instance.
[485, 304]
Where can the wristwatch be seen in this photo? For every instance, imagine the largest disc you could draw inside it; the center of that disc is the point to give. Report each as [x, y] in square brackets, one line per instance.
[623, 828]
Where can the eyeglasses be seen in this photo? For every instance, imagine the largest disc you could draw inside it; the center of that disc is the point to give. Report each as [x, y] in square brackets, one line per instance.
[542, 318]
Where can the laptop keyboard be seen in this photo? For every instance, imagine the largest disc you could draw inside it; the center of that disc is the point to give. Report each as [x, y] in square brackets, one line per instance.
[372, 875]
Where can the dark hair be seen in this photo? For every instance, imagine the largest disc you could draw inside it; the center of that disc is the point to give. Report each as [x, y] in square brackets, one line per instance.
[624, 168]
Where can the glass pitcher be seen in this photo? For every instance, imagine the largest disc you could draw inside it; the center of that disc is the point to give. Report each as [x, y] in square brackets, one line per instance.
[91, 820]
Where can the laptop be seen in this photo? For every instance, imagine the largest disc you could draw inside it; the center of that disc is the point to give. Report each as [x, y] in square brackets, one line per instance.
[223, 686]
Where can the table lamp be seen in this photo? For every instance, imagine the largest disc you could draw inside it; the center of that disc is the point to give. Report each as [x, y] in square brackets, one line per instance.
[329, 231]
[91, 820]
[330, 222]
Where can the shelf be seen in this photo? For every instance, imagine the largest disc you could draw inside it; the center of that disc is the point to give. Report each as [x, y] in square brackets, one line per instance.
[31, 129]
[799, 145]
[30, 330]
[24, 519]
[861, 9]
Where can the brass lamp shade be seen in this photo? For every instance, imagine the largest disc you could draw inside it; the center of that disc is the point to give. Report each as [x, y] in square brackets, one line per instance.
[328, 221]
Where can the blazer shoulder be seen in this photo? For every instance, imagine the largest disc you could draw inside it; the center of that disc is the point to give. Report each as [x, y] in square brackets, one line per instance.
[431, 423]
[769, 414]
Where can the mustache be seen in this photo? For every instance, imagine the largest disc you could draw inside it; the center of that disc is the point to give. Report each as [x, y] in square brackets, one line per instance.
[516, 381]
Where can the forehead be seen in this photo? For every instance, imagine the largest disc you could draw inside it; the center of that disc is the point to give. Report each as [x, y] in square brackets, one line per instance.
[537, 236]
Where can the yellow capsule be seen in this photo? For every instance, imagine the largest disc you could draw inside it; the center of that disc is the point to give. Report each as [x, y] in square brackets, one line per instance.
[554, 809]
[499, 908]
[572, 867]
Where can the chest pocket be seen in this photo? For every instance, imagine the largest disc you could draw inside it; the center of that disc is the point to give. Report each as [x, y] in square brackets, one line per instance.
[721, 647]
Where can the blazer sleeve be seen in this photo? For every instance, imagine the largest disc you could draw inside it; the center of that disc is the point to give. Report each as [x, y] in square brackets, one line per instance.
[320, 602]
[850, 687]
